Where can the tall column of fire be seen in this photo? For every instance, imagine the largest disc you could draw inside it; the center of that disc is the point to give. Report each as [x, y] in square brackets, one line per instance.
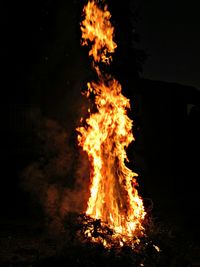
[107, 133]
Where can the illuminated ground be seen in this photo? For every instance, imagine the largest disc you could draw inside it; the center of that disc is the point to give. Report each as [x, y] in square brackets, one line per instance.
[24, 243]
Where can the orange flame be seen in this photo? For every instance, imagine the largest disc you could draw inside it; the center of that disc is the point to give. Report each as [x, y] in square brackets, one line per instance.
[113, 195]
[97, 29]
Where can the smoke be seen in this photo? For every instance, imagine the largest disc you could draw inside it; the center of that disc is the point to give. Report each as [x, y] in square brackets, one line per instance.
[58, 178]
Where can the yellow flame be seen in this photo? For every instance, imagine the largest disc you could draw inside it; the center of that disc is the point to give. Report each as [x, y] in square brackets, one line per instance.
[97, 29]
[113, 195]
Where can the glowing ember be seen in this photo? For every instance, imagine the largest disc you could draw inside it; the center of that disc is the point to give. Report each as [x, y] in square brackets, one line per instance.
[113, 198]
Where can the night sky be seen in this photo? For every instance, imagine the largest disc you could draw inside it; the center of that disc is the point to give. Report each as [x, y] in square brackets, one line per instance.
[170, 33]
[44, 33]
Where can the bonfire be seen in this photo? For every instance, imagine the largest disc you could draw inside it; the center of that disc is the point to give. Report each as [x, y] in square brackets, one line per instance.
[104, 135]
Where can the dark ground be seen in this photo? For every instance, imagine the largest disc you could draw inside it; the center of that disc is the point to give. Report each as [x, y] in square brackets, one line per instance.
[26, 243]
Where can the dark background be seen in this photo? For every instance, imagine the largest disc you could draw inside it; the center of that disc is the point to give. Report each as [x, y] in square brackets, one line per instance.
[170, 33]
[44, 69]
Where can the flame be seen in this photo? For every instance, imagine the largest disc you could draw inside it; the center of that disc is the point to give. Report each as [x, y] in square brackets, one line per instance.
[113, 197]
[97, 29]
